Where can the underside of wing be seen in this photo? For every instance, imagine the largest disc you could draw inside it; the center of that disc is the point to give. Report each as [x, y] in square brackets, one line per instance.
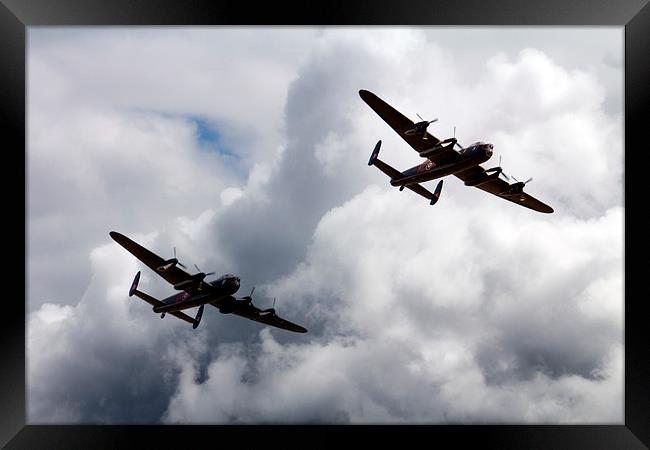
[172, 275]
[399, 123]
[253, 313]
[277, 321]
[499, 187]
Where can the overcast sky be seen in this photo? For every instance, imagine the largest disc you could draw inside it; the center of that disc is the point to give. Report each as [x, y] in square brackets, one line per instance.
[247, 150]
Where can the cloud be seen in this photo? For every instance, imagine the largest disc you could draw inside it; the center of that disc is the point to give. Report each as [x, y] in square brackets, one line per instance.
[347, 380]
[512, 337]
[475, 310]
[114, 140]
[102, 170]
[102, 361]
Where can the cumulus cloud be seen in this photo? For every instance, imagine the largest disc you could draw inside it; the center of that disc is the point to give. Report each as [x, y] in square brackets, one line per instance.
[102, 361]
[475, 310]
[518, 335]
[115, 133]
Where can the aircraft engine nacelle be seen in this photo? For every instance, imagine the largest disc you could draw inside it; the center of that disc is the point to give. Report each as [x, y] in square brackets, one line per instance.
[514, 189]
[167, 265]
[227, 308]
[185, 284]
[484, 178]
[442, 145]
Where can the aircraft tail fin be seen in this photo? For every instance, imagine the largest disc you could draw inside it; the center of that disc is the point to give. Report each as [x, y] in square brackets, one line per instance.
[134, 285]
[379, 164]
[436, 193]
[197, 320]
[374, 154]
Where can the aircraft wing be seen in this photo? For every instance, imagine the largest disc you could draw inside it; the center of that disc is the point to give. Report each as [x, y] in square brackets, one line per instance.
[253, 313]
[401, 124]
[173, 275]
[498, 185]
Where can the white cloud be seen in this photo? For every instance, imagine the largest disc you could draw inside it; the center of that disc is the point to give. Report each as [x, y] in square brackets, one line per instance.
[103, 360]
[500, 338]
[474, 310]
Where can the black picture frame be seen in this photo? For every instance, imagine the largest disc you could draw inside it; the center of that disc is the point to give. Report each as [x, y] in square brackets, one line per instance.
[16, 15]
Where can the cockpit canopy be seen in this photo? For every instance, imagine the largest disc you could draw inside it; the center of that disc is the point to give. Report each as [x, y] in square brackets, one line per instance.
[227, 279]
[226, 276]
[471, 147]
[475, 145]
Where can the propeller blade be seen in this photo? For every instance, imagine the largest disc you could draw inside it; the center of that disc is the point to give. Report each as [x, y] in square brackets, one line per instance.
[456, 142]
[252, 290]
[270, 310]
[210, 273]
[420, 117]
[177, 261]
[197, 267]
[528, 180]
[513, 177]
[434, 120]
[502, 172]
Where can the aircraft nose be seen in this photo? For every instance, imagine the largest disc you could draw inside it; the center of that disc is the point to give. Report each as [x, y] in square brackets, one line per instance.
[488, 149]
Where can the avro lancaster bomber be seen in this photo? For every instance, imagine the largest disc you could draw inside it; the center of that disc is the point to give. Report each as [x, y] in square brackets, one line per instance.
[442, 160]
[195, 291]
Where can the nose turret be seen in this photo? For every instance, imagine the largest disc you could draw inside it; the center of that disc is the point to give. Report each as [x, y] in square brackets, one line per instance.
[488, 149]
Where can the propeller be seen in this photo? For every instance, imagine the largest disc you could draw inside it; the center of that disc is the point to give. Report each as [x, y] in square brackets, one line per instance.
[524, 183]
[518, 187]
[456, 143]
[419, 128]
[204, 274]
[177, 261]
[502, 172]
[271, 309]
[170, 263]
[249, 298]
[428, 121]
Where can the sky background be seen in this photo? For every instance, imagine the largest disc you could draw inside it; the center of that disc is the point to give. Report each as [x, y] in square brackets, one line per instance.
[247, 150]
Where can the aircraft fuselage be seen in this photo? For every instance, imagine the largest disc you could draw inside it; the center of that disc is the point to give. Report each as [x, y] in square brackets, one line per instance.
[429, 170]
[223, 288]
